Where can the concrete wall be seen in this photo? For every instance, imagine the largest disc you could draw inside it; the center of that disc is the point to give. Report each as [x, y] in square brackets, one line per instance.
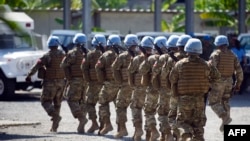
[111, 20]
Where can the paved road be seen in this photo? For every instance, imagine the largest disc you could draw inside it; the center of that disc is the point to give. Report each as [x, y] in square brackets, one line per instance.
[25, 120]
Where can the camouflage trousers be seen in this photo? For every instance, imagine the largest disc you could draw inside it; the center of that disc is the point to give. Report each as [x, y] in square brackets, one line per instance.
[163, 109]
[107, 94]
[219, 97]
[52, 96]
[76, 97]
[150, 107]
[123, 100]
[191, 117]
[92, 96]
[137, 103]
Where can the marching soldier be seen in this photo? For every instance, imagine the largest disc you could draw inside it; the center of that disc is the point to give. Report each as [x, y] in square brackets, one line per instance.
[178, 44]
[159, 77]
[138, 93]
[190, 81]
[89, 74]
[120, 73]
[110, 88]
[150, 105]
[48, 67]
[75, 83]
[227, 64]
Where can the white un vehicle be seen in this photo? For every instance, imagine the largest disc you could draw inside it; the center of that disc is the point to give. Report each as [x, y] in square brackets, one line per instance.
[18, 52]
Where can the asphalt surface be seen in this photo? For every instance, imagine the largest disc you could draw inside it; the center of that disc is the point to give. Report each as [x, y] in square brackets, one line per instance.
[23, 119]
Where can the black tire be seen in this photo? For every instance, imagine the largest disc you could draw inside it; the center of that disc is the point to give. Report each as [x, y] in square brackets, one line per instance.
[7, 87]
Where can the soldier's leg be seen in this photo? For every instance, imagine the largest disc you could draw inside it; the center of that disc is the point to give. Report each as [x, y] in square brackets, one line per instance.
[162, 110]
[59, 85]
[172, 115]
[122, 102]
[150, 111]
[137, 102]
[199, 120]
[107, 94]
[48, 94]
[226, 119]
[75, 101]
[216, 102]
[184, 118]
[92, 95]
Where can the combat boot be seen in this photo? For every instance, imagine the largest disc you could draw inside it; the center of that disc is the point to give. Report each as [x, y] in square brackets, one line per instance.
[154, 134]
[162, 138]
[93, 127]
[138, 132]
[148, 135]
[107, 126]
[56, 119]
[122, 130]
[169, 137]
[225, 120]
[82, 122]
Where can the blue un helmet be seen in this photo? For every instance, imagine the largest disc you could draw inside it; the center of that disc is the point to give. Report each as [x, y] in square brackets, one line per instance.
[147, 42]
[114, 40]
[221, 40]
[131, 40]
[53, 41]
[183, 40]
[193, 46]
[79, 39]
[98, 40]
[160, 41]
[172, 40]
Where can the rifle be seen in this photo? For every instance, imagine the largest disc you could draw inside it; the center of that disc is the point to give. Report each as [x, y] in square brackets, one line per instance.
[171, 54]
[84, 49]
[100, 45]
[65, 49]
[158, 50]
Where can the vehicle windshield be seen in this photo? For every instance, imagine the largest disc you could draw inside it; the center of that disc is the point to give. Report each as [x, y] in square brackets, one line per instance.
[14, 41]
[245, 42]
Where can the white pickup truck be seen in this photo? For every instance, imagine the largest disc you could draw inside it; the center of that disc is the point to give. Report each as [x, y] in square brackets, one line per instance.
[18, 52]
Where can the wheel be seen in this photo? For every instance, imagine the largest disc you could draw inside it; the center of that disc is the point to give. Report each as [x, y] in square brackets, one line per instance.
[7, 87]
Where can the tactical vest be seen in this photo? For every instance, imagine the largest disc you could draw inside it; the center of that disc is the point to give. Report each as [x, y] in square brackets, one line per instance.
[137, 76]
[53, 70]
[108, 69]
[163, 75]
[226, 64]
[75, 68]
[93, 59]
[193, 79]
[124, 70]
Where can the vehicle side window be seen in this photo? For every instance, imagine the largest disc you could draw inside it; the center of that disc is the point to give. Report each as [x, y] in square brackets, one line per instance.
[6, 41]
[245, 42]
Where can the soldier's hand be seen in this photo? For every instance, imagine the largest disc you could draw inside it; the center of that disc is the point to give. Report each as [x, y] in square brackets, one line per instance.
[28, 79]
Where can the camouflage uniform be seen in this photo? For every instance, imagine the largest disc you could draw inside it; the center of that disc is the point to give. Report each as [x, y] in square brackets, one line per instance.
[164, 94]
[53, 83]
[138, 93]
[76, 85]
[93, 86]
[123, 99]
[227, 63]
[173, 99]
[152, 94]
[109, 89]
[190, 80]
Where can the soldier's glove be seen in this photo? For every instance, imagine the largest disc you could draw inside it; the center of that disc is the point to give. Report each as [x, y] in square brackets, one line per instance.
[28, 79]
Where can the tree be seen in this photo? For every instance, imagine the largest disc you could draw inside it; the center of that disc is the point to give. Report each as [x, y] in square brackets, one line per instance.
[220, 12]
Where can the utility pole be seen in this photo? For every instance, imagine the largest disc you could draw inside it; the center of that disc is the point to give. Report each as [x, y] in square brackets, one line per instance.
[86, 17]
[241, 16]
[157, 15]
[189, 16]
[66, 14]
